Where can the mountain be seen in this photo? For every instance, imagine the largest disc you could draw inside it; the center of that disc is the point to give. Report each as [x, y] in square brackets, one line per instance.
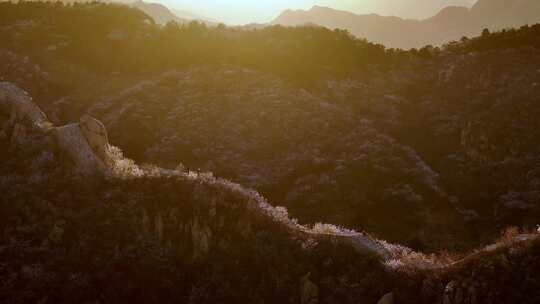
[160, 13]
[187, 15]
[499, 14]
[451, 23]
[407, 9]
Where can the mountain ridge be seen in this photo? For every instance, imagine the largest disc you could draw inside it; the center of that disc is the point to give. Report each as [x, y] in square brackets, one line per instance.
[188, 15]
[159, 12]
[450, 23]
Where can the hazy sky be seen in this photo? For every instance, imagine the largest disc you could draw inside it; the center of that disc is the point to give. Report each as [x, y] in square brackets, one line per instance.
[247, 11]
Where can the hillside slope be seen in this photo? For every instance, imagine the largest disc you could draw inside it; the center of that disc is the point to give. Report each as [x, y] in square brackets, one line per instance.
[149, 235]
[415, 147]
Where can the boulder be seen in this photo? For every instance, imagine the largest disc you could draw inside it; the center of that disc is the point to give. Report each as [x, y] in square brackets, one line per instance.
[85, 143]
[16, 103]
[387, 299]
[18, 136]
[11, 95]
[71, 141]
[96, 136]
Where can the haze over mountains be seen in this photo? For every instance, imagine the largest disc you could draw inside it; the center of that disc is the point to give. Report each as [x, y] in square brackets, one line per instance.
[407, 9]
[162, 14]
[188, 15]
[451, 23]
[241, 12]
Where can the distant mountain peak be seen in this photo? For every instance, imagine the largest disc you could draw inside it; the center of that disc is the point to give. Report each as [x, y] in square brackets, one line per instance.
[319, 7]
[451, 12]
[328, 10]
[162, 14]
[188, 15]
[450, 23]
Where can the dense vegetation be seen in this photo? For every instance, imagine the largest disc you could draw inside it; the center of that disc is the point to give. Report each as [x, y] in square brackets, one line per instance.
[195, 239]
[101, 37]
[154, 240]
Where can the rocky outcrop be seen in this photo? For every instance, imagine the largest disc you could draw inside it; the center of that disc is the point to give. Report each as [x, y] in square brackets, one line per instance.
[18, 105]
[71, 141]
[96, 135]
[18, 136]
[84, 143]
[387, 299]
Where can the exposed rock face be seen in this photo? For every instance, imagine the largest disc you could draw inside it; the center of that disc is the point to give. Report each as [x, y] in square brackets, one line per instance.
[71, 140]
[85, 143]
[387, 299]
[19, 106]
[18, 135]
[96, 135]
